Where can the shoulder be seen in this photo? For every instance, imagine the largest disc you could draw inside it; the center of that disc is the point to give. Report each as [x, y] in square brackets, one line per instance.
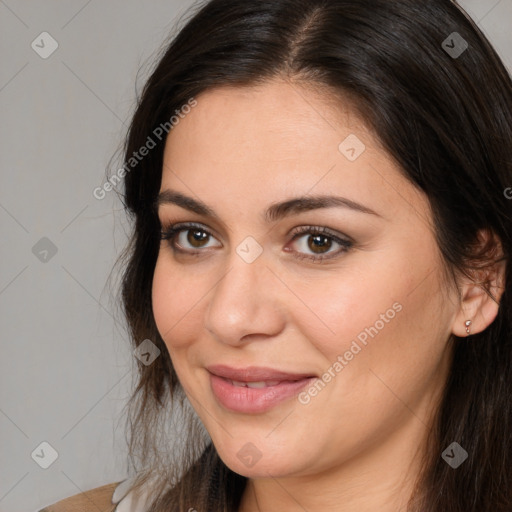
[113, 497]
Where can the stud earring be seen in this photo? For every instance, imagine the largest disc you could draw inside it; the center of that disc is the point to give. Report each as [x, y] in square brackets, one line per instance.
[468, 323]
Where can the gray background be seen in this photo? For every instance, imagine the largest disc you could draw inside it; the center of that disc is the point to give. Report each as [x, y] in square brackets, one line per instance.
[66, 366]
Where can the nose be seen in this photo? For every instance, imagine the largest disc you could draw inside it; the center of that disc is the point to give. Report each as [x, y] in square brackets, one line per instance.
[245, 304]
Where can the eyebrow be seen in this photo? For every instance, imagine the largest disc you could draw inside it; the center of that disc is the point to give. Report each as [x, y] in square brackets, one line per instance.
[274, 212]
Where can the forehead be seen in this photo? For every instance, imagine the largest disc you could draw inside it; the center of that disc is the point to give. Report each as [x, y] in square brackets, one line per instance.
[260, 144]
[282, 118]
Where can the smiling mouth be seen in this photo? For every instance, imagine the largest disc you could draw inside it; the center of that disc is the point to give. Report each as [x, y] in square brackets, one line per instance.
[252, 396]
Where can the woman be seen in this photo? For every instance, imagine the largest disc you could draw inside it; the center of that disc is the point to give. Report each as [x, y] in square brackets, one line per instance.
[322, 232]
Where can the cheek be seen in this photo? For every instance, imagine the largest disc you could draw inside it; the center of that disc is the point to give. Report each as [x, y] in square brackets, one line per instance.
[341, 307]
[177, 299]
[378, 316]
[393, 342]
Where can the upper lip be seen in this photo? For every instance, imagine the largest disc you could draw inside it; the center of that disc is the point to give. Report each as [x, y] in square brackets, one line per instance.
[254, 373]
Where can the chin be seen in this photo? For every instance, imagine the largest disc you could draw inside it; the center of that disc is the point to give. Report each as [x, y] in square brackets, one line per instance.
[270, 468]
[255, 460]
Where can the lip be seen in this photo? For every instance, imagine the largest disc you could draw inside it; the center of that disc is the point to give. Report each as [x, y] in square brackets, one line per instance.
[254, 373]
[255, 400]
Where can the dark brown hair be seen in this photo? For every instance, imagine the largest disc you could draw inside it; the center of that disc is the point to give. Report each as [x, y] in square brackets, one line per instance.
[447, 121]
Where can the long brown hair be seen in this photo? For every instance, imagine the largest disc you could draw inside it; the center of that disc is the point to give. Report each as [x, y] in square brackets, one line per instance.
[443, 110]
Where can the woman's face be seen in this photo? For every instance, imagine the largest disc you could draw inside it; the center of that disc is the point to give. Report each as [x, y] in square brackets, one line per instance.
[343, 333]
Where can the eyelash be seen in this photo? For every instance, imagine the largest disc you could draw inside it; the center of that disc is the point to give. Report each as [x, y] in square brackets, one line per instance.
[169, 231]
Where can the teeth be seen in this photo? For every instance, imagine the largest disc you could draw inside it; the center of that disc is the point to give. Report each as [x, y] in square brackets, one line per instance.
[256, 385]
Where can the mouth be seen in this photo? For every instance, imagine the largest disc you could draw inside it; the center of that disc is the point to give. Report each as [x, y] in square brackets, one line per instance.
[254, 385]
[253, 390]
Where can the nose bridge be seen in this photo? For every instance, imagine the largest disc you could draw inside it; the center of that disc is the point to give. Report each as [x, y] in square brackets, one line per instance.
[244, 300]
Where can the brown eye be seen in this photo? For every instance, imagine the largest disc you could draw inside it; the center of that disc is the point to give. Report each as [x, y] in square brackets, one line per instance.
[314, 240]
[196, 237]
[186, 237]
[319, 243]
[192, 238]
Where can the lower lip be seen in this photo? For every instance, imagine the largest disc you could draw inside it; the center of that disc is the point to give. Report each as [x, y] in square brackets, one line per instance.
[254, 400]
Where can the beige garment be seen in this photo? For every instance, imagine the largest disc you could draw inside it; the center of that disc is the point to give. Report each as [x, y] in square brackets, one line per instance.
[98, 499]
[115, 497]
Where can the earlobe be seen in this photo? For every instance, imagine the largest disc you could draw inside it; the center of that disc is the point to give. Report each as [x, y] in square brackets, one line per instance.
[478, 311]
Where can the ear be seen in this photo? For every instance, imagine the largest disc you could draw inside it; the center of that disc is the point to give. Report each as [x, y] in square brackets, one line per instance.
[481, 290]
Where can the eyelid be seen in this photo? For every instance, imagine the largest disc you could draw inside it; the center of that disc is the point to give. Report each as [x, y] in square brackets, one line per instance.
[323, 230]
[168, 225]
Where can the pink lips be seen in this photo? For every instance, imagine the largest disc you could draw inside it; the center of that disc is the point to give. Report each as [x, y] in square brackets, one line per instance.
[254, 389]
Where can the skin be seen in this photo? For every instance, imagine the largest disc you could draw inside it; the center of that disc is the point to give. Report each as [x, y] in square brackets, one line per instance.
[356, 445]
